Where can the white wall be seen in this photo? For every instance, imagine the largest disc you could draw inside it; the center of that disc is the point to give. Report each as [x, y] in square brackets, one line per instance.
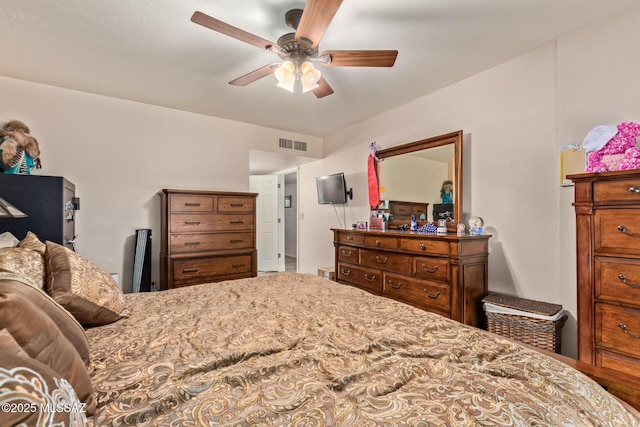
[515, 116]
[119, 154]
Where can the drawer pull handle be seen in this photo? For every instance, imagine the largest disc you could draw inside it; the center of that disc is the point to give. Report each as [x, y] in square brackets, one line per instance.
[422, 246]
[192, 223]
[192, 204]
[237, 221]
[237, 265]
[236, 241]
[191, 243]
[345, 272]
[189, 270]
[626, 231]
[237, 205]
[428, 270]
[380, 261]
[624, 329]
[395, 286]
[634, 190]
[349, 237]
[378, 242]
[369, 278]
[347, 254]
[432, 296]
[623, 279]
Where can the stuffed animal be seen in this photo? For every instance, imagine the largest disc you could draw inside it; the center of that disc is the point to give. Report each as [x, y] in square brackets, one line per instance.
[19, 151]
[612, 148]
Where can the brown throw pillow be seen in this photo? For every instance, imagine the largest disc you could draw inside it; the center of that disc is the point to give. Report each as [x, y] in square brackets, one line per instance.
[27, 383]
[32, 242]
[84, 289]
[39, 337]
[67, 324]
[23, 262]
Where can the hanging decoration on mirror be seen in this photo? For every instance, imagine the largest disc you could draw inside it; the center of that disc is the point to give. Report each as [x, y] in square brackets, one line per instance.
[372, 176]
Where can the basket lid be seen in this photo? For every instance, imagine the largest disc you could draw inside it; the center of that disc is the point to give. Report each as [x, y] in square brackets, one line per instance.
[523, 304]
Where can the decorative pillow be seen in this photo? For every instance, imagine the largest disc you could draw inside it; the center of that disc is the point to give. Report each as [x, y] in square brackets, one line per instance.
[27, 383]
[40, 338]
[23, 262]
[32, 242]
[84, 289]
[8, 240]
[67, 324]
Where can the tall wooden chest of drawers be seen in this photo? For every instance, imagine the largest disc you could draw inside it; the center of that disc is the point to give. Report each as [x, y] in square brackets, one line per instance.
[206, 236]
[608, 269]
[442, 274]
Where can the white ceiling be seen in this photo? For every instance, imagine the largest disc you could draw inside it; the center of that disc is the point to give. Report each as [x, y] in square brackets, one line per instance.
[149, 51]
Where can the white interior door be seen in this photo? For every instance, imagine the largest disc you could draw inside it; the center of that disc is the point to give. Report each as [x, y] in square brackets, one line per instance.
[268, 223]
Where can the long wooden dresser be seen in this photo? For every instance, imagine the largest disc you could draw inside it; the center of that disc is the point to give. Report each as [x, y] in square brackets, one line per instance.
[607, 209]
[443, 274]
[207, 236]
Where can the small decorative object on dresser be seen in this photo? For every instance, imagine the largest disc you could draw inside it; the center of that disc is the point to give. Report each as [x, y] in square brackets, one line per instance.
[607, 208]
[207, 236]
[442, 274]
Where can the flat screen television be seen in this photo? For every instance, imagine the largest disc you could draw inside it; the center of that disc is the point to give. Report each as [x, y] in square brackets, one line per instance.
[332, 189]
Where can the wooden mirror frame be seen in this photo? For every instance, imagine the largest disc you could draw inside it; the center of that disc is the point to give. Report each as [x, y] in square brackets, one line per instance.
[454, 138]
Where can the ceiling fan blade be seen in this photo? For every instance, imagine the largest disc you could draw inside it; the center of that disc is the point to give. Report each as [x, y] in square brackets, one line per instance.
[315, 19]
[254, 75]
[361, 58]
[229, 30]
[323, 89]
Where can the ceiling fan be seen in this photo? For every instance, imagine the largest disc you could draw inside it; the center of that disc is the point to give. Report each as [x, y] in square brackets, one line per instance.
[299, 50]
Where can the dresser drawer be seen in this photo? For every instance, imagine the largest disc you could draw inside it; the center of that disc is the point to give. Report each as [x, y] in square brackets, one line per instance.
[381, 242]
[618, 228]
[200, 269]
[427, 246]
[196, 242]
[191, 203]
[351, 238]
[235, 204]
[420, 292]
[619, 190]
[617, 362]
[432, 268]
[618, 279]
[618, 329]
[367, 279]
[348, 254]
[386, 261]
[184, 223]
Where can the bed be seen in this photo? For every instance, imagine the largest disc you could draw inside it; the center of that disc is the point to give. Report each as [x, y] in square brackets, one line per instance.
[297, 349]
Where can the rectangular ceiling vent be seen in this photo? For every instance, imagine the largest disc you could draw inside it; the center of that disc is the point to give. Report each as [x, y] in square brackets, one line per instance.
[290, 144]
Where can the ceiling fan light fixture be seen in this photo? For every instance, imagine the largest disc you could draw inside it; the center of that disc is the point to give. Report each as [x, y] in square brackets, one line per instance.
[286, 75]
[292, 76]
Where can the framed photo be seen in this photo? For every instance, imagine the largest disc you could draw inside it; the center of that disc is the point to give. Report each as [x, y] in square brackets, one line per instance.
[361, 225]
[287, 201]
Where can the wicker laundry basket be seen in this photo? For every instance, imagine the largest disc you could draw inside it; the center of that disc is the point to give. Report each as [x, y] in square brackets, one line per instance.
[531, 322]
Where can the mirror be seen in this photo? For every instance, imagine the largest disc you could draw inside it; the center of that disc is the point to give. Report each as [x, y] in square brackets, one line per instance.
[412, 175]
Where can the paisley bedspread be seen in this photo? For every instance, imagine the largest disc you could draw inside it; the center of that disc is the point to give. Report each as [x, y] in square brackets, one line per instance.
[293, 349]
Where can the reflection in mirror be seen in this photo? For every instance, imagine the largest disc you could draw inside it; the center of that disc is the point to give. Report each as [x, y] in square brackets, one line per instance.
[419, 177]
[415, 177]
